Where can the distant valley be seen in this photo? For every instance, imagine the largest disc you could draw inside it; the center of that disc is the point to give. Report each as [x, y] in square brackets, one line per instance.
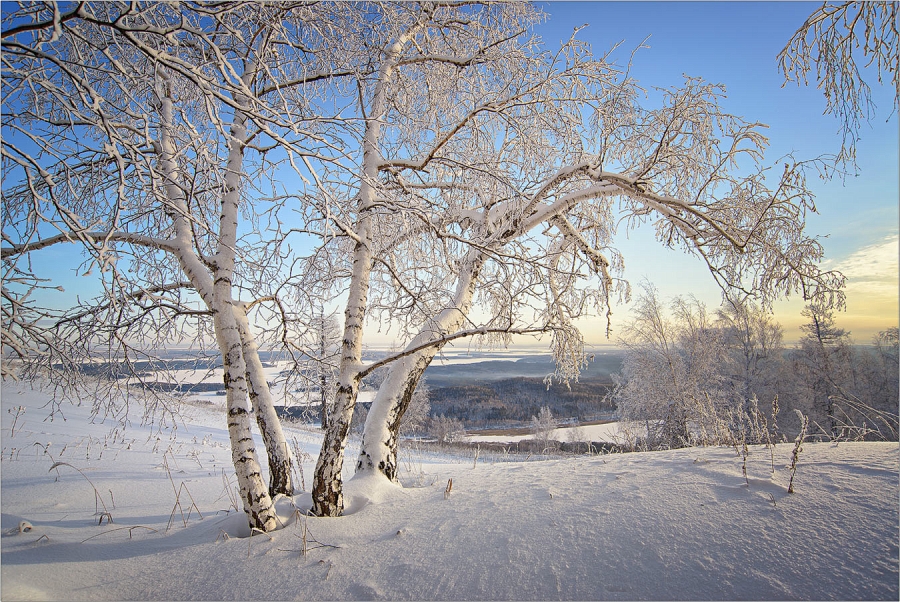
[536, 366]
[481, 394]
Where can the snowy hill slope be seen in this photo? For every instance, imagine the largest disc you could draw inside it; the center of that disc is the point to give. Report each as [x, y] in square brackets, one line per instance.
[668, 525]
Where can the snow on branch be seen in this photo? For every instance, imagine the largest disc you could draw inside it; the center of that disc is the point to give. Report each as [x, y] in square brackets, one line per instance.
[829, 42]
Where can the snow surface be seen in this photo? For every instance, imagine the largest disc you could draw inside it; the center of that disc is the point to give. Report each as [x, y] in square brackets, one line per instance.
[666, 525]
[608, 432]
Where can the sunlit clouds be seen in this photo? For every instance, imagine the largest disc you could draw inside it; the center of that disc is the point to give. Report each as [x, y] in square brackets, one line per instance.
[872, 273]
[873, 288]
[873, 293]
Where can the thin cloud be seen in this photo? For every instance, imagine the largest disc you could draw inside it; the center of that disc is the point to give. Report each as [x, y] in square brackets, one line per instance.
[874, 269]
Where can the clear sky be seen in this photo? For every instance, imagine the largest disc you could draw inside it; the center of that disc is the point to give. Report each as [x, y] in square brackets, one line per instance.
[736, 44]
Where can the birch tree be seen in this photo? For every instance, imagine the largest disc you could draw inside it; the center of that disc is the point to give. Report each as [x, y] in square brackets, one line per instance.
[536, 239]
[130, 130]
[504, 189]
[673, 389]
[427, 147]
[542, 427]
[417, 50]
[755, 350]
[824, 366]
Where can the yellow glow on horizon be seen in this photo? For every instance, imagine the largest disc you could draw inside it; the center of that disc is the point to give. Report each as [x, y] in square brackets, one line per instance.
[873, 294]
[873, 300]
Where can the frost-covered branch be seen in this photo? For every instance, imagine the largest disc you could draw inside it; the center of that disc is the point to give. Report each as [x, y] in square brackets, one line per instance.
[830, 42]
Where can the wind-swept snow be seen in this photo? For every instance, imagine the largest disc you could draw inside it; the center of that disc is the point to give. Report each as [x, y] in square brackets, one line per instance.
[666, 525]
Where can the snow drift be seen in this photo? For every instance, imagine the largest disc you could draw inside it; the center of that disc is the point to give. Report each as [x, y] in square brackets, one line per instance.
[680, 524]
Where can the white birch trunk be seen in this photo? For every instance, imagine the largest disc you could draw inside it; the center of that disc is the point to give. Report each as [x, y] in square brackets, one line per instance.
[327, 494]
[254, 494]
[280, 481]
[328, 499]
[382, 430]
[217, 296]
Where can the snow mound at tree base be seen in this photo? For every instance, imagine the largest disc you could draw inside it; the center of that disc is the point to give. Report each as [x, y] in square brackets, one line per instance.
[368, 488]
[682, 524]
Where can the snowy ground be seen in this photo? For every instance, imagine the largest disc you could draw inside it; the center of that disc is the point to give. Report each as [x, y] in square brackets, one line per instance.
[589, 432]
[668, 525]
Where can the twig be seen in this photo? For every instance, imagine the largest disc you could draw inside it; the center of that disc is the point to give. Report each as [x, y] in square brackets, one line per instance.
[798, 442]
[19, 411]
[98, 499]
[250, 539]
[306, 536]
[129, 529]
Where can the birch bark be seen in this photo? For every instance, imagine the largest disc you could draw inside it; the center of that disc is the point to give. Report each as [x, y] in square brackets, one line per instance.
[328, 499]
[382, 428]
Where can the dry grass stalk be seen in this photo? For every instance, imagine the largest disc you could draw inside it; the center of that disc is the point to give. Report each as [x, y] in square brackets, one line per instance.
[177, 506]
[129, 529]
[798, 447]
[98, 499]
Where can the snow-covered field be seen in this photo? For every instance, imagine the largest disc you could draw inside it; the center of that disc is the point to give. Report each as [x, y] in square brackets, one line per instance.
[669, 525]
[589, 432]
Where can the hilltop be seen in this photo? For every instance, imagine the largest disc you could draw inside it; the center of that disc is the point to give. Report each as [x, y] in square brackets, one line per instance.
[682, 524]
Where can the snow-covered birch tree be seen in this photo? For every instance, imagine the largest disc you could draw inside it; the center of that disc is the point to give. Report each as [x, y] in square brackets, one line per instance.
[537, 237]
[146, 133]
[505, 185]
[755, 353]
[673, 391]
[542, 427]
[411, 48]
[426, 148]
[824, 367]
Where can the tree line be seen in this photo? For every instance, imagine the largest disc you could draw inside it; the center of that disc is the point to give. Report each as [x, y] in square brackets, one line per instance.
[229, 169]
[514, 401]
[693, 377]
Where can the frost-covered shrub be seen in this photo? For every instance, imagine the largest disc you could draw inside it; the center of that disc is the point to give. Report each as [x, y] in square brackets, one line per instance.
[542, 427]
[673, 386]
[446, 430]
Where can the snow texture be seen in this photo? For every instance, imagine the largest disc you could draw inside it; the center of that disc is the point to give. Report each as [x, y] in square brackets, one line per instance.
[664, 525]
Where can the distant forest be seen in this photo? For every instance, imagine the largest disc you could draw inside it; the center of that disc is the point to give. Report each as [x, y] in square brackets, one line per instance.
[512, 401]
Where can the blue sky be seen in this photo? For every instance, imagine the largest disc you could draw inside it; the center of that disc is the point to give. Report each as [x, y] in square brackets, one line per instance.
[736, 44]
